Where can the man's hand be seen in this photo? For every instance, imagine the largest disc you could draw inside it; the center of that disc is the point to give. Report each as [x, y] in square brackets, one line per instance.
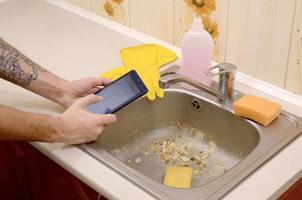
[76, 125]
[19, 69]
[74, 90]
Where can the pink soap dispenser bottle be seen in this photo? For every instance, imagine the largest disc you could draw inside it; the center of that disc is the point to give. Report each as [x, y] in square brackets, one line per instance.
[197, 47]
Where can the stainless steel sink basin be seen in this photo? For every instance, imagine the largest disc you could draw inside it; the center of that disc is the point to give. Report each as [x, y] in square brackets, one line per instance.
[189, 128]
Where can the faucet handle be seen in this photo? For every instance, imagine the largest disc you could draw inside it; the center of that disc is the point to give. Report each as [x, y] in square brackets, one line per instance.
[227, 73]
[224, 68]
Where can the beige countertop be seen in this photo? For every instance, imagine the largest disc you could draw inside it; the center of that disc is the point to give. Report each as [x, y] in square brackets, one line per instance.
[74, 44]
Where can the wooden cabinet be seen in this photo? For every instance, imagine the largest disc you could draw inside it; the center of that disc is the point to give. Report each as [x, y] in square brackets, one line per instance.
[294, 192]
[25, 173]
[14, 176]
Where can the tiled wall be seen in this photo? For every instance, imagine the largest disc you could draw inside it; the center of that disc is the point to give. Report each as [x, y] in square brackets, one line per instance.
[263, 38]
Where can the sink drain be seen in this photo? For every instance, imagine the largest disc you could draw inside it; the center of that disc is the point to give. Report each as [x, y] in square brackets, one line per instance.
[196, 104]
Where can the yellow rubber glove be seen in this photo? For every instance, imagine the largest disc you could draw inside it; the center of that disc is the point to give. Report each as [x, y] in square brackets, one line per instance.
[114, 73]
[146, 60]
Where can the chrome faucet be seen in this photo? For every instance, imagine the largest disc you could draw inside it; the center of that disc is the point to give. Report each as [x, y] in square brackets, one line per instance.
[226, 72]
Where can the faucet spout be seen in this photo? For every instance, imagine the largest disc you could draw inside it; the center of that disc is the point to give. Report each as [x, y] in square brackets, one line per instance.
[169, 79]
[226, 74]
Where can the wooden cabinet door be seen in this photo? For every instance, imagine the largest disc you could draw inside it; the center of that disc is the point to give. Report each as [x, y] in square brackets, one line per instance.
[15, 182]
[25, 173]
[294, 192]
[60, 184]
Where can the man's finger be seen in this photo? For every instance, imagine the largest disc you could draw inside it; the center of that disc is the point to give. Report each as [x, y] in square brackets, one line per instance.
[87, 100]
[107, 119]
[94, 90]
[100, 81]
[104, 81]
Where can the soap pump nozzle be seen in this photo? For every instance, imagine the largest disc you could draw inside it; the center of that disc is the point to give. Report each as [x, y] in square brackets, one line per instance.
[197, 24]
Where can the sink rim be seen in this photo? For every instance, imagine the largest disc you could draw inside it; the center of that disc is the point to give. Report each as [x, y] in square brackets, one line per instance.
[184, 96]
[150, 187]
[234, 176]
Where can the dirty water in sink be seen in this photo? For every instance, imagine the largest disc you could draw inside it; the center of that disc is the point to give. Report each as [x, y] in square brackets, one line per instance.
[172, 143]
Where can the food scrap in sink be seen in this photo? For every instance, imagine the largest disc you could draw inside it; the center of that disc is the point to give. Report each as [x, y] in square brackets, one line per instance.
[189, 148]
[174, 144]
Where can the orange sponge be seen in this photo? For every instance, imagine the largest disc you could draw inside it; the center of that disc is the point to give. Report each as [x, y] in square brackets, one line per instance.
[256, 108]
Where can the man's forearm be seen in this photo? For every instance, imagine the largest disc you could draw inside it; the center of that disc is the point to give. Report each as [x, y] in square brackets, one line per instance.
[19, 125]
[19, 69]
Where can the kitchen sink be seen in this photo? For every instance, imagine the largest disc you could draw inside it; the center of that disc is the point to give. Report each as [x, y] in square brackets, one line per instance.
[189, 128]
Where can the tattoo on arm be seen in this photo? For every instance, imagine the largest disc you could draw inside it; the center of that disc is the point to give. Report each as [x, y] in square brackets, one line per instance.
[16, 67]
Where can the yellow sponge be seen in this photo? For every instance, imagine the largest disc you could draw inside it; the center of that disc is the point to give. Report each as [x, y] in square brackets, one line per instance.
[179, 177]
[256, 108]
